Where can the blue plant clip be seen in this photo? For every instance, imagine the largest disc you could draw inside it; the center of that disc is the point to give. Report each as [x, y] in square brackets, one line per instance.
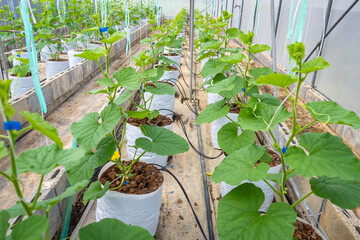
[172, 192]
[284, 149]
[125, 183]
[244, 89]
[143, 90]
[153, 43]
[103, 29]
[218, 52]
[18, 55]
[12, 125]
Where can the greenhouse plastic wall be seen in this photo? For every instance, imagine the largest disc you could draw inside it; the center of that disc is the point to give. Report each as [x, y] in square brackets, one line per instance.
[340, 82]
[172, 7]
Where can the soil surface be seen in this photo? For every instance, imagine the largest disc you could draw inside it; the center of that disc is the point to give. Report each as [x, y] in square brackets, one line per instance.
[58, 60]
[27, 75]
[152, 85]
[136, 184]
[171, 54]
[305, 231]
[160, 121]
[234, 108]
[276, 159]
[170, 68]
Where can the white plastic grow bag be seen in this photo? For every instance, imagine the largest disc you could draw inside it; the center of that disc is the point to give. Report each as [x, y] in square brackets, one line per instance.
[161, 102]
[23, 55]
[72, 59]
[94, 45]
[213, 98]
[55, 67]
[46, 52]
[133, 133]
[269, 193]
[177, 50]
[67, 47]
[20, 85]
[170, 76]
[218, 124]
[140, 210]
[176, 59]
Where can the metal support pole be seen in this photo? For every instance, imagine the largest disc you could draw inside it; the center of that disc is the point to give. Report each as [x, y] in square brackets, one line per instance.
[226, 8]
[326, 23]
[241, 13]
[232, 11]
[191, 40]
[278, 17]
[332, 27]
[273, 53]
[255, 13]
[5, 73]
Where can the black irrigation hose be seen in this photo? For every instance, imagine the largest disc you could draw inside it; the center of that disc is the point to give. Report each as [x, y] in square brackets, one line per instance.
[182, 188]
[187, 137]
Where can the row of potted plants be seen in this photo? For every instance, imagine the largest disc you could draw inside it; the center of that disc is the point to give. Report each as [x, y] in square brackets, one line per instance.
[249, 174]
[72, 17]
[129, 189]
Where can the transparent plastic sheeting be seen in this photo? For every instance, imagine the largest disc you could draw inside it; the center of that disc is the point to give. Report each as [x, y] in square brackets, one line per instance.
[340, 82]
[172, 7]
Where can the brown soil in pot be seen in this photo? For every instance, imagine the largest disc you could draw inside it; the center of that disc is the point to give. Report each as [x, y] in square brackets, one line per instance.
[160, 121]
[276, 159]
[27, 75]
[99, 43]
[170, 68]
[171, 54]
[234, 108]
[136, 184]
[305, 231]
[152, 85]
[58, 60]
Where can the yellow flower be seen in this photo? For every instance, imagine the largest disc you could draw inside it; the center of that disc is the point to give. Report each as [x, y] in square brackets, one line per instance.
[115, 156]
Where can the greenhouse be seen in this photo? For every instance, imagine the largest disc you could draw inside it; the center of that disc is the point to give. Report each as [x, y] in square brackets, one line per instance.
[193, 119]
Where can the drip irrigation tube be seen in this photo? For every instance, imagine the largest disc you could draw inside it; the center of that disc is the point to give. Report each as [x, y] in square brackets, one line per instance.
[199, 152]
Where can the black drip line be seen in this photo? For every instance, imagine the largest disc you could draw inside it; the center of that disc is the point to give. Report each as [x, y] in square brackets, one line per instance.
[161, 168]
[178, 117]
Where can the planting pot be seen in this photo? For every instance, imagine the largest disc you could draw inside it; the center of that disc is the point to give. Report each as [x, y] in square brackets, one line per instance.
[218, 124]
[55, 67]
[93, 45]
[177, 50]
[269, 193]
[134, 209]
[176, 59]
[20, 85]
[46, 52]
[67, 46]
[161, 102]
[213, 97]
[72, 59]
[133, 133]
[170, 76]
[24, 54]
[315, 229]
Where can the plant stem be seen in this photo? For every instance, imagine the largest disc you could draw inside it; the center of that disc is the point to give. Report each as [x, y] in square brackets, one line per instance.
[302, 199]
[38, 192]
[305, 127]
[5, 175]
[231, 119]
[14, 175]
[48, 227]
[276, 191]
[3, 136]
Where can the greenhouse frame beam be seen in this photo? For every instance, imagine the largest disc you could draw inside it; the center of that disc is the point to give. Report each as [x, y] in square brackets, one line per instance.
[241, 13]
[326, 23]
[332, 27]
[191, 42]
[278, 17]
[232, 11]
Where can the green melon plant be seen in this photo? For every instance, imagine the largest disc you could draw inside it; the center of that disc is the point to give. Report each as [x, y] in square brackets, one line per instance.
[333, 169]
